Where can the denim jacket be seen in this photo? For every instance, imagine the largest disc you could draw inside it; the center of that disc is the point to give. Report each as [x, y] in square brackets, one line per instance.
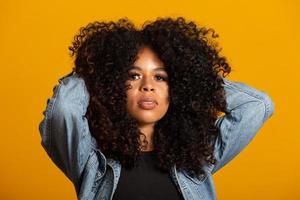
[66, 138]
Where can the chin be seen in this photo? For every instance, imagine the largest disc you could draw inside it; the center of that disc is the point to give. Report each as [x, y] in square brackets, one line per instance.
[146, 121]
[146, 117]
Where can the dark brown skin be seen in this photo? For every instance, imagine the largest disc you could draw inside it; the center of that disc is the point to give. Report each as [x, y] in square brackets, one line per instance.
[148, 82]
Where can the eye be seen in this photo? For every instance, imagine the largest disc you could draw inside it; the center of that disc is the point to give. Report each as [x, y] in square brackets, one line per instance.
[135, 76]
[132, 75]
[162, 78]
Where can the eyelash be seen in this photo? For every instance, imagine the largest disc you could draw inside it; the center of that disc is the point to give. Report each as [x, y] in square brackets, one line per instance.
[163, 78]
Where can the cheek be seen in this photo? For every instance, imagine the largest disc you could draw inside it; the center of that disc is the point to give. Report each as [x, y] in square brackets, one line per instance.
[166, 94]
[167, 102]
[164, 99]
[131, 98]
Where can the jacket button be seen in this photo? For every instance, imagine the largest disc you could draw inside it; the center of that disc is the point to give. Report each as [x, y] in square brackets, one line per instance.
[99, 173]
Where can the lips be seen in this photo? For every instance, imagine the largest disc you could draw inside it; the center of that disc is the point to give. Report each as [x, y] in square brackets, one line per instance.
[147, 103]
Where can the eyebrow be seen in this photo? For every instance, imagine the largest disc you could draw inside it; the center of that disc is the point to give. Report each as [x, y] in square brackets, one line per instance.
[140, 69]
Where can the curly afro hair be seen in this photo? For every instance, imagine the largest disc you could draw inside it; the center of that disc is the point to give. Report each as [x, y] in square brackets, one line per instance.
[185, 136]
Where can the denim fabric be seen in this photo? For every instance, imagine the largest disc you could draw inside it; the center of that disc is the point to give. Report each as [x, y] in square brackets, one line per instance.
[66, 138]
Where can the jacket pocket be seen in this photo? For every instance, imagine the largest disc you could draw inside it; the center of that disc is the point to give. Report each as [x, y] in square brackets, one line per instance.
[197, 179]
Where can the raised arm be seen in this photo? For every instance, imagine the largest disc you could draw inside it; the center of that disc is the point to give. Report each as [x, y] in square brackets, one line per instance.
[64, 129]
[248, 109]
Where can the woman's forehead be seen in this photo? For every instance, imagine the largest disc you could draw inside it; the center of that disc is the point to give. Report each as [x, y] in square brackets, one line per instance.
[147, 58]
[141, 68]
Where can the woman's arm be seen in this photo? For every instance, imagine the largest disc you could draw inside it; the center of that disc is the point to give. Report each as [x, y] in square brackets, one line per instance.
[64, 130]
[248, 109]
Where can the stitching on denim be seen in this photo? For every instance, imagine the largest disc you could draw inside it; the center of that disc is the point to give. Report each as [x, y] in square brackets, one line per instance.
[262, 98]
[228, 142]
[197, 180]
[50, 117]
[245, 91]
[267, 105]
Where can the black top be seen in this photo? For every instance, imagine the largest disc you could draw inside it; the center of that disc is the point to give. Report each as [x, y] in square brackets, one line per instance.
[146, 182]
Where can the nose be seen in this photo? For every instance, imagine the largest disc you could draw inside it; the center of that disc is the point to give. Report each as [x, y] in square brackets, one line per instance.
[147, 85]
[147, 88]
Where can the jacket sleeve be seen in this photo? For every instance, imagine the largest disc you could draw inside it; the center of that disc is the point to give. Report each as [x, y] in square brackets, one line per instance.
[248, 109]
[64, 129]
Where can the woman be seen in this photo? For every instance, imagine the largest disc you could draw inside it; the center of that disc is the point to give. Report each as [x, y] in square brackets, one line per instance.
[153, 102]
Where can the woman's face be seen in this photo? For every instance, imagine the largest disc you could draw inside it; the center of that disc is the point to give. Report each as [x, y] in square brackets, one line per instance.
[148, 94]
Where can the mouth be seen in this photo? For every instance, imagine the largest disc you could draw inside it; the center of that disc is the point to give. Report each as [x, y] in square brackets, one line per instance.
[147, 103]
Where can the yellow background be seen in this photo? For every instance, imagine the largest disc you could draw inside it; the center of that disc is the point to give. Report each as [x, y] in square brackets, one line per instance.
[259, 38]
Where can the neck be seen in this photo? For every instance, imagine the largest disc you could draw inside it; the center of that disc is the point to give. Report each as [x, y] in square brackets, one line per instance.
[148, 131]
